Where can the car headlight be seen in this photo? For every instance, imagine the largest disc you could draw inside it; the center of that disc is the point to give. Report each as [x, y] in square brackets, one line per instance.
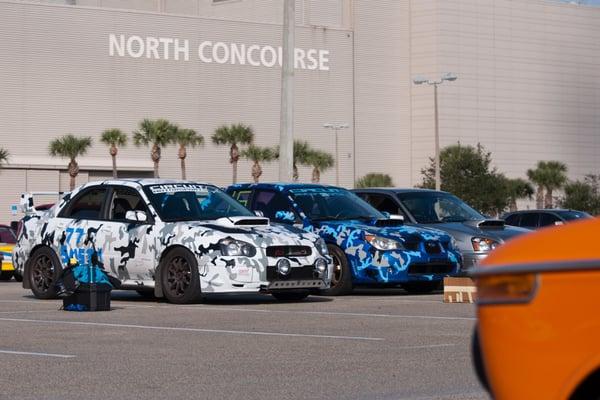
[321, 247]
[232, 247]
[484, 244]
[381, 243]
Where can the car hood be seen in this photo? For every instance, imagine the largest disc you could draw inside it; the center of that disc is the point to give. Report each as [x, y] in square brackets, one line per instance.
[263, 235]
[470, 228]
[399, 232]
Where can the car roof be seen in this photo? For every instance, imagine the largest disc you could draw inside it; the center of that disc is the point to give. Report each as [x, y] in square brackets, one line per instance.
[542, 210]
[398, 190]
[147, 181]
[284, 185]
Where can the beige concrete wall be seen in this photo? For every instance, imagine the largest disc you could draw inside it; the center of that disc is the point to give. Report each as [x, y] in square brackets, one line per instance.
[529, 81]
[59, 78]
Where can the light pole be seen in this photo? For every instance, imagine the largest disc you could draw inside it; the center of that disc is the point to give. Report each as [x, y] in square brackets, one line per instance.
[336, 128]
[419, 80]
[286, 125]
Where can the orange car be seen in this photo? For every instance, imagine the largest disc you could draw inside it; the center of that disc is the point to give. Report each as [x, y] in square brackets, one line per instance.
[538, 333]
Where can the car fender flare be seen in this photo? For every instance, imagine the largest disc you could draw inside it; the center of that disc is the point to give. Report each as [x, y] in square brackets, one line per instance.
[27, 264]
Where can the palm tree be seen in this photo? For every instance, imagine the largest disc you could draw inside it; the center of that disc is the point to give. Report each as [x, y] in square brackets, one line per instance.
[233, 135]
[518, 189]
[320, 161]
[186, 138]
[374, 180]
[556, 177]
[158, 133]
[257, 155]
[4, 155]
[302, 153]
[548, 176]
[113, 138]
[71, 147]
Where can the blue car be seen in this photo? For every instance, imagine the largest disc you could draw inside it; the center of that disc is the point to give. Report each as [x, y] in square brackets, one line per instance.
[368, 247]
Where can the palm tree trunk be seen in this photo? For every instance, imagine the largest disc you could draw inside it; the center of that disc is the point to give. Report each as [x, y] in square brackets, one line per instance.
[73, 171]
[548, 203]
[234, 156]
[513, 205]
[256, 171]
[539, 198]
[155, 155]
[182, 155]
[113, 155]
[296, 175]
[316, 175]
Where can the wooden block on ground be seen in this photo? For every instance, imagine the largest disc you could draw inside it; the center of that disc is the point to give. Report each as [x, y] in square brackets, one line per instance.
[459, 290]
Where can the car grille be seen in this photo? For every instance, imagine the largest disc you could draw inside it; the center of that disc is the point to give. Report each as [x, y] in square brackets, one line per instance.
[288, 251]
[431, 268]
[297, 273]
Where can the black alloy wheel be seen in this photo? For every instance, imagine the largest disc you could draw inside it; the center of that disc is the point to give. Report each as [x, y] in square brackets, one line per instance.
[180, 279]
[43, 273]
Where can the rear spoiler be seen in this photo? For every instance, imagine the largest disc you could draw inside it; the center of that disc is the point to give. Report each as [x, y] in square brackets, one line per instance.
[26, 202]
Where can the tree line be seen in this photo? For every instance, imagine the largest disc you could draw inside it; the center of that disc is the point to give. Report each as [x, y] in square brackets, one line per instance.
[160, 133]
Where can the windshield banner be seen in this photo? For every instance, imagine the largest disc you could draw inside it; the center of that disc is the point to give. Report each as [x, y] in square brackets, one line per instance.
[177, 187]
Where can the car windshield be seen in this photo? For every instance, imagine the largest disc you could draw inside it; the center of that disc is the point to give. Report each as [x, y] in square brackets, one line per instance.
[321, 204]
[573, 215]
[437, 207]
[193, 202]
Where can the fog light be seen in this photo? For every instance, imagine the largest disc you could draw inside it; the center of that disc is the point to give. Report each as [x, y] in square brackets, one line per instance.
[321, 266]
[283, 266]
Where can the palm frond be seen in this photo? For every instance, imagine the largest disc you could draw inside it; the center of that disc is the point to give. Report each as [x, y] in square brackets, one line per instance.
[70, 146]
[188, 138]
[114, 137]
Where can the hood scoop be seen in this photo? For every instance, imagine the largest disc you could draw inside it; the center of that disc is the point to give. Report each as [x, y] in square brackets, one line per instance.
[243, 221]
[385, 222]
[487, 224]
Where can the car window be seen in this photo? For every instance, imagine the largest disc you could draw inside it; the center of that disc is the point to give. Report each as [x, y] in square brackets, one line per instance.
[323, 203]
[383, 202]
[437, 207]
[123, 200]
[547, 219]
[7, 236]
[529, 220]
[86, 206]
[270, 203]
[513, 219]
[573, 215]
[243, 196]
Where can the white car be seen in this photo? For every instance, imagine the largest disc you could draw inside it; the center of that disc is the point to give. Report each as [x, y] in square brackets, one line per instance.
[175, 239]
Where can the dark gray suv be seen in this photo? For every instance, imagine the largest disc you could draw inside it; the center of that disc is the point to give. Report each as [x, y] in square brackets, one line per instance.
[535, 219]
[475, 234]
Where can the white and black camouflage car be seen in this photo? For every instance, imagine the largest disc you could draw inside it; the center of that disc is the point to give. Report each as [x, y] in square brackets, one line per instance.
[175, 239]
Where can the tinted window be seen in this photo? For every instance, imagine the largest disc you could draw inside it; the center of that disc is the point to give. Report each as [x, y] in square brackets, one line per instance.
[513, 219]
[193, 202]
[123, 200]
[243, 196]
[529, 220]
[383, 203]
[7, 236]
[270, 203]
[86, 206]
[323, 203]
[547, 219]
[573, 215]
[438, 207]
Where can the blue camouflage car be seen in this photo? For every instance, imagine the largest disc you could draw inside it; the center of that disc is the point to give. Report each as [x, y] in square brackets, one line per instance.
[368, 247]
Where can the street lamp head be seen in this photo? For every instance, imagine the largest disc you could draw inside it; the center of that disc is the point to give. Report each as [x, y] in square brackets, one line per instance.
[419, 80]
[336, 126]
[449, 76]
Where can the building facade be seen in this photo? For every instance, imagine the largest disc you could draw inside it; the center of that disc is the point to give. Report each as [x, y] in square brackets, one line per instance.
[528, 85]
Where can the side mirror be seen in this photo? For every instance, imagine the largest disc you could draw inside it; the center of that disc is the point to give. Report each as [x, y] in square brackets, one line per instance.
[259, 213]
[136, 216]
[26, 203]
[286, 217]
[397, 217]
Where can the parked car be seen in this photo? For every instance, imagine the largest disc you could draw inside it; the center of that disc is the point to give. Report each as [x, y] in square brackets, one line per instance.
[179, 239]
[538, 320]
[368, 247]
[476, 236]
[7, 242]
[535, 219]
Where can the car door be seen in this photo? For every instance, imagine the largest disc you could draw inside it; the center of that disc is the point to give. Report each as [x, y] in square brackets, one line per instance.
[131, 243]
[76, 231]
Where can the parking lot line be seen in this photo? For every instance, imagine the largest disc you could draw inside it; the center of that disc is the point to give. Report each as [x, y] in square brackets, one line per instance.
[331, 313]
[28, 353]
[180, 329]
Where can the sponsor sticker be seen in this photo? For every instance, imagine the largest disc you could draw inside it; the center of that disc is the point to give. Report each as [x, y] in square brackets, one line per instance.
[177, 187]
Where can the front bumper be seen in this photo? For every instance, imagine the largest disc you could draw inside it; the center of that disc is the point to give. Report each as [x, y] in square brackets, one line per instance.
[471, 260]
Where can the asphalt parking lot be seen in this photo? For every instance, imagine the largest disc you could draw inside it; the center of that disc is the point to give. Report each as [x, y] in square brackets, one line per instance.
[371, 345]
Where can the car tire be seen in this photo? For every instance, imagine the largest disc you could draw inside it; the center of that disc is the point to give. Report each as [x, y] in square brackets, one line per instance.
[477, 359]
[420, 287]
[6, 275]
[179, 277]
[291, 295]
[44, 269]
[341, 279]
